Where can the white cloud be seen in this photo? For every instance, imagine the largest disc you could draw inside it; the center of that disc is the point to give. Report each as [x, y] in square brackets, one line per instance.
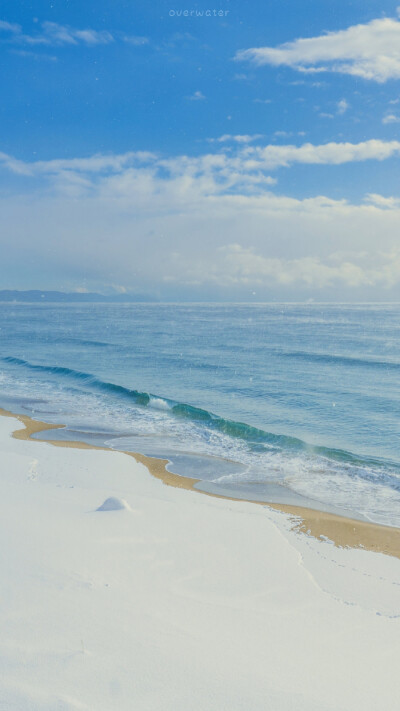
[26, 53]
[389, 202]
[239, 138]
[390, 118]
[243, 168]
[197, 96]
[136, 40]
[371, 51]
[98, 163]
[209, 174]
[16, 166]
[272, 156]
[342, 106]
[212, 220]
[63, 34]
[235, 265]
[10, 27]
[54, 34]
[241, 264]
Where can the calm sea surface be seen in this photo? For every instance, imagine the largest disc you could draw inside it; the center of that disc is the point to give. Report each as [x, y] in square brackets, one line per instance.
[290, 402]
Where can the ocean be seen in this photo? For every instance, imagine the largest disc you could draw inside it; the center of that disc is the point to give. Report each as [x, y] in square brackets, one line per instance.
[295, 403]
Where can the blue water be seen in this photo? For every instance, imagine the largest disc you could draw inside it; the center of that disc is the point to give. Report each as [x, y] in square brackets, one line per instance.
[305, 398]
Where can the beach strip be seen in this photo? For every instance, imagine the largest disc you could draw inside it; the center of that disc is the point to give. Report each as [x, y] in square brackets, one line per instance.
[342, 531]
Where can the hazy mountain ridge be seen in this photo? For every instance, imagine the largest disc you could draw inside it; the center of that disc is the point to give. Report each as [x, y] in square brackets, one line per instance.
[35, 295]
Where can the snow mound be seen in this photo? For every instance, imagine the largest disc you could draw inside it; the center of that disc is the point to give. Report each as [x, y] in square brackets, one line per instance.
[113, 504]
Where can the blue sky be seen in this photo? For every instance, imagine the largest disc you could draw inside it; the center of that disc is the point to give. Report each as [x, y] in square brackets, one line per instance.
[250, 153]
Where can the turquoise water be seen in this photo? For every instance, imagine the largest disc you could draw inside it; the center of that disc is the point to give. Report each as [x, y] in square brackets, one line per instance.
[301, 399]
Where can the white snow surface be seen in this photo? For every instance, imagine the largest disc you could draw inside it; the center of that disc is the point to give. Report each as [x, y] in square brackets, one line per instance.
[180, 602]
[113, 504]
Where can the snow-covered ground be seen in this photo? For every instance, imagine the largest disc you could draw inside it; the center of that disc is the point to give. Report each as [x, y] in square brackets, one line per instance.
[164, 599]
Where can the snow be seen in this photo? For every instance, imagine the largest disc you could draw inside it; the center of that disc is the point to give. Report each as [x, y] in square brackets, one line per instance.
[183, 602]
[113, 504]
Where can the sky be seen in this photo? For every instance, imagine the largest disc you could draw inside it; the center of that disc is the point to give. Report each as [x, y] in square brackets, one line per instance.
[214, 150]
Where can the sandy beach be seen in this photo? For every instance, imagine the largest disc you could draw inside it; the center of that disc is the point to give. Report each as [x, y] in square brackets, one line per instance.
[176, 600]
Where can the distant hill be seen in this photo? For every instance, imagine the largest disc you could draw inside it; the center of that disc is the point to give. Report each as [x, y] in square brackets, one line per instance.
[35, 295]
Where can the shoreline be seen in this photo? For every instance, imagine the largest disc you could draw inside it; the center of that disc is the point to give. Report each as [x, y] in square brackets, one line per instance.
[343, 532]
